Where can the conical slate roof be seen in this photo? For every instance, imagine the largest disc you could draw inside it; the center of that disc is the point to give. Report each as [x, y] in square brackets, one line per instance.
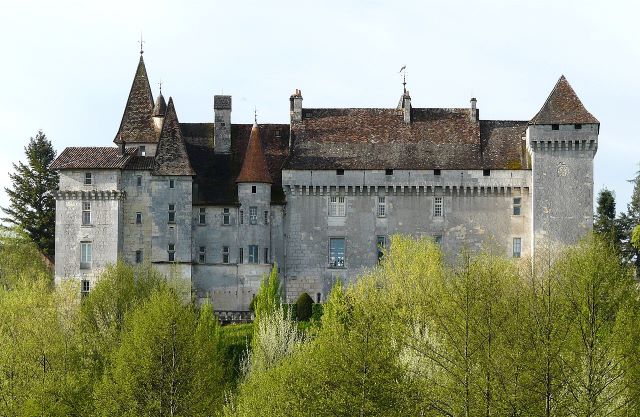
[171, 155]
[254, 166]
[161, 106]
[563, 107]
[137, 120]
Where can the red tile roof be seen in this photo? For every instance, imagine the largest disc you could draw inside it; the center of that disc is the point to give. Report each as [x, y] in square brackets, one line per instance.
[254, 167]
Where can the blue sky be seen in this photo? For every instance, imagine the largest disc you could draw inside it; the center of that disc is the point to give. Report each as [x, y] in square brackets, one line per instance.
[68, 65]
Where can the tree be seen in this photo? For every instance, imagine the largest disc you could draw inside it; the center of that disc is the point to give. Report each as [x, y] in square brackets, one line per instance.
[628, 221]
[269, 297]
[605, 223]
[31, 202]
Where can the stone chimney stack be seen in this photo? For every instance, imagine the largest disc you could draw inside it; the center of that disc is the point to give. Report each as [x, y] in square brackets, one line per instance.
[473, 111]
[222, 124]
[295, 107]
[406, 107]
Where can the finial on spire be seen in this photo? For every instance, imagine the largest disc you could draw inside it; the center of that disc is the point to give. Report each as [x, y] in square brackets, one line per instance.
[255, 116]
[404, 78]
[160, 85]
[141, 42]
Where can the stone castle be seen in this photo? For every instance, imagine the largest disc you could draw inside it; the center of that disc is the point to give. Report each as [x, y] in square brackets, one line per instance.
[219, 203]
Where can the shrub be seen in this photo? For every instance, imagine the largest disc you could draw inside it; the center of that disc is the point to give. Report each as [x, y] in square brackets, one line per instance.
[304, 307]
[316, 312]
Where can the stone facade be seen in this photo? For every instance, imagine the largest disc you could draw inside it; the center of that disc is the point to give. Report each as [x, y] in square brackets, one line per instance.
[219, 204]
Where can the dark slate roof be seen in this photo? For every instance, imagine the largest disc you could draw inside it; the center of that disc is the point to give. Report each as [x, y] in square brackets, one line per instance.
[95, 157]
[215, 174]
[380, 139]
[254, 165]
[137, 120]
[563, 107]
[171, 155]
[160, 107]
[140, 163]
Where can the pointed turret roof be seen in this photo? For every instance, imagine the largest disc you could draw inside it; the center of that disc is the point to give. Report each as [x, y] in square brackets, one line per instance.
[171, 156]
[137, 119]
[161, 106]
[563, 107]
[254, 166]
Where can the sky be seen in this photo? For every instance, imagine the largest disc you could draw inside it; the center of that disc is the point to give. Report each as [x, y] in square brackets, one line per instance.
[67, 66]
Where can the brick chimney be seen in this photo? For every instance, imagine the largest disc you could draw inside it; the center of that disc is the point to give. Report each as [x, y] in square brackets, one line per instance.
[295, 106]
[222, 124]
[473, 111]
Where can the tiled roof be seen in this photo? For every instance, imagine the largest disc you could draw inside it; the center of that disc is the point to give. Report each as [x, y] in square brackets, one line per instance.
[137, 120]
[139, 163]
[160, 107]
[380, 139]
[216, 174]
[563, 107]
[254, 165]
[95, 157]
[171, 155]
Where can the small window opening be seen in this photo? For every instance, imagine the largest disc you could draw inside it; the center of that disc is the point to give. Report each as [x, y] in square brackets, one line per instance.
[253, 189]
[577, 126]
[486, 172]
[555, 127]
[388, 172]
[436, 172]
[339, 171]
[172, 183]
[143, 150]
[318, 297]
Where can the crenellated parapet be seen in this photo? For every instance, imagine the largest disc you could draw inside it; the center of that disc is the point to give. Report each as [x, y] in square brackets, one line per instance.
[90, 195]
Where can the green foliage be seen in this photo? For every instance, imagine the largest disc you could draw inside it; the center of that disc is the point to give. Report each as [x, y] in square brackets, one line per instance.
[635, 237]
[31, 202]
[316, 312]
[269, 297]
[20, 260]
[235, 339]
[628, 221]
[304, 307]
[605, 223]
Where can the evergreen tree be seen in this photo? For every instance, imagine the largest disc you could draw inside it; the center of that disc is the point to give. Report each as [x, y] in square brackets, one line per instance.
[628, 221]
[605, 223]
[31, 203]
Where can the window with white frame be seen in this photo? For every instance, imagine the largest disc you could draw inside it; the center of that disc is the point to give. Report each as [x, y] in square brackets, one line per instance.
[437, 207]
[88, 178]
[85, 286]
[381, 244]
[382, 206]
[253, 215]
[202, 215]
[86, 255]
[139, 256]
[226, 216]
[171, 252]
[253, 254]
[337, 206]
[172, 213]
[202, 254]
[225, 254]
[143, 150]
[517, 203]
[336, 252]
[138, 217]
[86, 213]
[517, 247]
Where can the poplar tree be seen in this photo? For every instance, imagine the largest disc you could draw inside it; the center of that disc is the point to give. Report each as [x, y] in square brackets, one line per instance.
[31, 202]
[628, 221]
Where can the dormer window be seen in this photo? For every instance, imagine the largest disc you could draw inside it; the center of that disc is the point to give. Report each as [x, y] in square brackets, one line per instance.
[555, 127]
[277, 133]
[143, 150]
[88, 178]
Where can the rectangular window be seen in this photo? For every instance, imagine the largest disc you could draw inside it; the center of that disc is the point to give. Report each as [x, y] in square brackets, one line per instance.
[241, 216]
[172, 213]
[86, 213]
[85, 286]
[438, 239]
[138, 218]
[88, 178]
[266, 217]
[241, 256]
[202, 254]
[339, 171]
[436, 172]
[437, 207]
[139, 256]
[336, 252]
[337, 206]
[143, 150]
[253, 215]
[318, 297]
[577, 126]
[266, 255]
[254, 189]
[253, 254]
[516, 205]
[226, 217]
[388, 172]
[202, 215]
[381, 244]
[172, 183]
[382, 206]
[486, 172]
[86, 255]
[171, 251]
[139, 181]
[555, 127]
[517, 247]
[225, 254]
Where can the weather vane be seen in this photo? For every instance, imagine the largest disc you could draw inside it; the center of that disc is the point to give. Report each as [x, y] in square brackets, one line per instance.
[255, 115]
[141, 42]
[160, 85]
[404, 77]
